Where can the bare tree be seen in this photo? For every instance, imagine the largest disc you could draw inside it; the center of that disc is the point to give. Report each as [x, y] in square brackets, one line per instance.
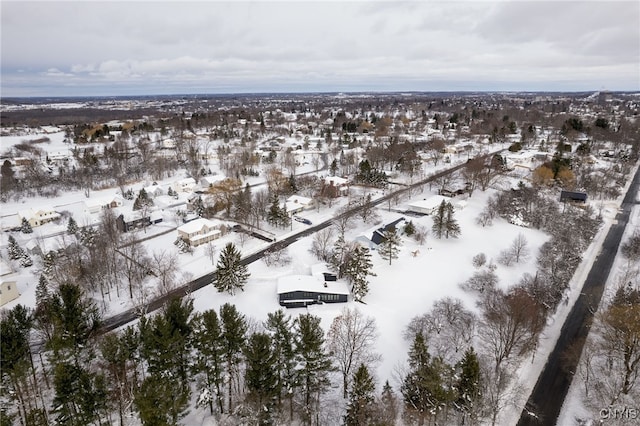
[351, 339]
[165, 267]
[510, 323]
[520, 248]
[135, 263]
[210, 251]
[321, 246]
[343, 221]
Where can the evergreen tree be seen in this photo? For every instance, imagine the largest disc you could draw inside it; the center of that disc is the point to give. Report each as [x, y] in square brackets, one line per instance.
[293, 184]
[234, 329]
[80, 395]
[48, 263]
[14, 354]
[74, 320]
[340, 257]
[72, 226]
[142, 200]
[439, 220]
[357, 270]
[25, 260]
[387, 407]
[282, 338]
[389, 247]
[166, 348]
[425, 388]
[333, 169]
[409, 228]
[14, 251]
[208, 342]
[159, 402]
[25, 227]
[314, 362]
[361, 409]
[451, 224]
[273, 215]
[231, 274]
[261, 375]
[198, 207]
[468, 383]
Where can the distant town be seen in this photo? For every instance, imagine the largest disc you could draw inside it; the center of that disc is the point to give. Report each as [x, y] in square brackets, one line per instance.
[318, 259]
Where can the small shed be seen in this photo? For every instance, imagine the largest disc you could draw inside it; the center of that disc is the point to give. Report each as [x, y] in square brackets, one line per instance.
[573, 197]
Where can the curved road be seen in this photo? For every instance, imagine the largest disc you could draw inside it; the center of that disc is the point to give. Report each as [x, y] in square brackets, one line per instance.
[546, 400]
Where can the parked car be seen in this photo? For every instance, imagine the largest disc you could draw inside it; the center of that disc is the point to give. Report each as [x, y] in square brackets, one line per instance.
[302, 220]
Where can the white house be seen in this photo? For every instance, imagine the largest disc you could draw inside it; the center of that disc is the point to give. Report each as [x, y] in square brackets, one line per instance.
[208, 181]
[296, 204]
[200, 231]
[8, 292]
[427, 205]
[95, 205]
[184, 185]
[39, 216]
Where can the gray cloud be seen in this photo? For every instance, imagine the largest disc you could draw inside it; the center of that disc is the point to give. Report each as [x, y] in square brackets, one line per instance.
[140, 47]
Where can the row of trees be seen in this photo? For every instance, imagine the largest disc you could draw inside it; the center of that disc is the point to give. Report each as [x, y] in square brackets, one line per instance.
[179, 360]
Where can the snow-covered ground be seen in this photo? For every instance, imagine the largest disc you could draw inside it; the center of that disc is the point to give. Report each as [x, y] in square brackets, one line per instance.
[408, 287]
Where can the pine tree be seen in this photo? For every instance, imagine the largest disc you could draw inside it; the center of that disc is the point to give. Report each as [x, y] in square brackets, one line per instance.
[357, 270]
[451, 224]
[25, 260]
[231, 274]
[209, 345]
[439, 220]
[72, 226]
[142, 200]
[282, 338]
[339, 257]
[409, 228]
[273, 215]
[314, 362]
[361, 409]
[234, 329]
[13, 249]
[468, 384]
[389, 247]
[198, 207]
[261, 375]
[388, 406]
[425, 388]
[25, 227]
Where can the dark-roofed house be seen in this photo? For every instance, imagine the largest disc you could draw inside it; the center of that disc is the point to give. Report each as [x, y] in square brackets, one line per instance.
[299, 291]
[573, 197]
[378, 237]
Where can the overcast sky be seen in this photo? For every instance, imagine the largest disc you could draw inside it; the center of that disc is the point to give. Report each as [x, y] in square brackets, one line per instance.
[70, 48]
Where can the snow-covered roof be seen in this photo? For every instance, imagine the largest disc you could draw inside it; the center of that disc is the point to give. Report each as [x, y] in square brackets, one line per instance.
[310, 283]
[197, 225]
[337, 181]
[429, 203]
[297, 199]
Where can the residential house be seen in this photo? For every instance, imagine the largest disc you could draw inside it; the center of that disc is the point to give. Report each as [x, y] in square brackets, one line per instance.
[335, 186]
[296, 204]
[427, 205]
[184, 185]
[200, 231]
[135, 220]
[95, 205]
[378, 235]
[39, 216]
[8, 291]
[299, 291]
